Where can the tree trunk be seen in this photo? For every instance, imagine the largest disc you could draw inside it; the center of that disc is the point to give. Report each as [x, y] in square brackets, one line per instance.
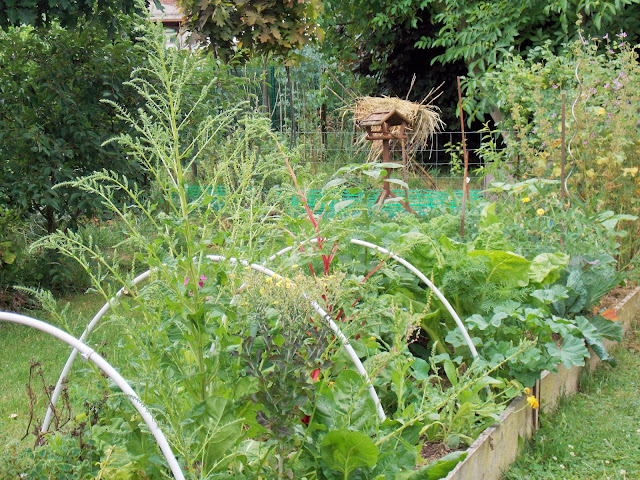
[50, 215]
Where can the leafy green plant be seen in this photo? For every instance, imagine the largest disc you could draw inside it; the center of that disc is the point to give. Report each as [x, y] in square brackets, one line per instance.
[53, 122]
[599, 77]
[242, 375]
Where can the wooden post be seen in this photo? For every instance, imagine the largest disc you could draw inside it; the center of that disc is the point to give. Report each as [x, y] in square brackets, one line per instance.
[291, 109]
[562, 151]
[465, 155]
[405, 176]
[386, 186]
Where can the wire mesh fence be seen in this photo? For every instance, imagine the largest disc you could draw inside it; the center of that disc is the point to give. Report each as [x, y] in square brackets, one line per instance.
[441, 160]
[307, 108]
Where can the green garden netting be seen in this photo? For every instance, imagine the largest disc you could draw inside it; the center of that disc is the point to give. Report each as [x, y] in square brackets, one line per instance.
[420, 200]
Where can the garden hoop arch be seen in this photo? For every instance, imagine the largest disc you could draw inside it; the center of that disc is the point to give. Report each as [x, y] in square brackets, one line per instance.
[268, 272]
[413, 270]
[87, 353]
[215, 258]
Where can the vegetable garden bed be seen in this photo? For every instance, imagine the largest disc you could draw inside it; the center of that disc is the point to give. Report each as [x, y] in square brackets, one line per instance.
[267, 343]
[498, 446]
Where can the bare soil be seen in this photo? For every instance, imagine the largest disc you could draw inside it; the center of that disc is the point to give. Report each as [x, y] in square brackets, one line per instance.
[434, 450]
[614, 297]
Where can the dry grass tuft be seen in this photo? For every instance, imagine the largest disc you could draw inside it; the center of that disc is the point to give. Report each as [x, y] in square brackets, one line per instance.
[424, 118]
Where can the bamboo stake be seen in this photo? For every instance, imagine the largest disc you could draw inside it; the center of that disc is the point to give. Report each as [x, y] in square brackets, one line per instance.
[562, 152]
[465, 155]
[434, 185]
[405, 178]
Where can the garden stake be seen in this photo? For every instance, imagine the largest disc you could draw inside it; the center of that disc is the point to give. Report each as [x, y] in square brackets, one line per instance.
[465, 156]
[562, 163]
[562, 151]
[404, 171]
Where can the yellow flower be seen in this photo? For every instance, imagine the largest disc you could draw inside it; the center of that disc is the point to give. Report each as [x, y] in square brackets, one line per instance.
[527, 391]
[533, 401]
[526, 199]
[268, 280]
[630, 171]
[540, 211]
[295, 266]
[373, 339]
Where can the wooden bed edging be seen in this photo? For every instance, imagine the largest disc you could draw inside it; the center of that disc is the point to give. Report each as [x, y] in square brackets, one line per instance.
[497, 447]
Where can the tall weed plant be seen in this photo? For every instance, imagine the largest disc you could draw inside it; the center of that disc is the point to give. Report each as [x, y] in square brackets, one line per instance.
[179, 340]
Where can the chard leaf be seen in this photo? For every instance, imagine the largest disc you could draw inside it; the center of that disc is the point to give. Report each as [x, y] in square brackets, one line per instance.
[350, 404]
[491, 237]
[345, 450]
[547, 267]
[505, 267]
[488, 216]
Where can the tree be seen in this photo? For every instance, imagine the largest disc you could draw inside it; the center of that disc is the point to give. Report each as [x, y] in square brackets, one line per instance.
[52, 122]
[476, 34]
[263, 26]
[68, 13]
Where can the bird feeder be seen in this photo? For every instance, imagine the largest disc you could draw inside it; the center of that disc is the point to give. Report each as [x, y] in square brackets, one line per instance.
[380, 126]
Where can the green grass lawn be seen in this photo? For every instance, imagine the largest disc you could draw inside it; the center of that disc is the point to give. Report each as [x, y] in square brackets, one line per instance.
[596, 433]
[19, 345]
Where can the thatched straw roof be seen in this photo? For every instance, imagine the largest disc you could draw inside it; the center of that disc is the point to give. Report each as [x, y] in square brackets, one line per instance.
[424, 121]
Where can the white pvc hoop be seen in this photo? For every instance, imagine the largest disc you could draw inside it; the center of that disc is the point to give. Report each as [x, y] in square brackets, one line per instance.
[88, 353]
[430, 284]
[413, 270]
[74, 353]
[216, 258]
[332, 325]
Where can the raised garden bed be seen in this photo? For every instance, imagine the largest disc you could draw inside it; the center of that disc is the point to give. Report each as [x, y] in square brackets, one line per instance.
[498, 446]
